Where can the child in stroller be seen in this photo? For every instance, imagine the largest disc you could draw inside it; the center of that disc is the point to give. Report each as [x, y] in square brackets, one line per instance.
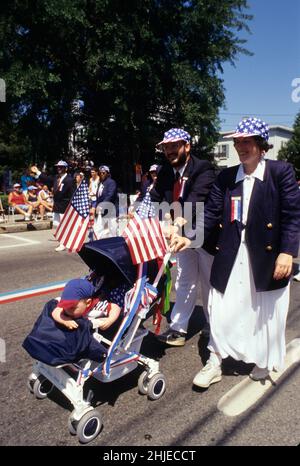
[121, 355]
[78, 300]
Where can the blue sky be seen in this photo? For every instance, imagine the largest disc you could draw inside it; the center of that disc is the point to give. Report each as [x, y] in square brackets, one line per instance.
[261, 85]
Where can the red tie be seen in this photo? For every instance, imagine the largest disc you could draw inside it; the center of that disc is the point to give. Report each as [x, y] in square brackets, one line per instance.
[176, 187]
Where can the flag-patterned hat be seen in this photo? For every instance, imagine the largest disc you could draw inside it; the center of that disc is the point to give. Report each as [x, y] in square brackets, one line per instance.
[153, 168]
[251, 127]
[104, 168]
[173, 135]
[61, 163]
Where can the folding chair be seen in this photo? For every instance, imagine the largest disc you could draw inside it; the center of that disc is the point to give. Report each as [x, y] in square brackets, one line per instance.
[11, 211]
[2, 213]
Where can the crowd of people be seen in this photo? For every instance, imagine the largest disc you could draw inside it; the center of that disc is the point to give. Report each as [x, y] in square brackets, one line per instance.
[244, 262]
[36, 198]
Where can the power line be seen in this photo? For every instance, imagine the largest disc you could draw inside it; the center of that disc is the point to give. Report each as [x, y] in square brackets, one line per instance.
[262, 114]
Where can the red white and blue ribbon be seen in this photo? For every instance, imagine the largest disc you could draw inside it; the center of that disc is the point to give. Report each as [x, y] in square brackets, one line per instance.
[132, 301]
[11, 296]
[236, 208]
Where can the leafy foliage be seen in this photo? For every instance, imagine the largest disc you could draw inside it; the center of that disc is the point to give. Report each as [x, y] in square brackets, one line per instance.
[291, 151]
[139, 67]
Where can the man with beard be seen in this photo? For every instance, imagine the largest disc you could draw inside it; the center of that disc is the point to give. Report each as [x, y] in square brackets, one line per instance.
[187, 180]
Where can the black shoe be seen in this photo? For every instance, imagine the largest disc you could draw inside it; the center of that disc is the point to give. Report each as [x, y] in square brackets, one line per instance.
[172, 338]
[205, 331]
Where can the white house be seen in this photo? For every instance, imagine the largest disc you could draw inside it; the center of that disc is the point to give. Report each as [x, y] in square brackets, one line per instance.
[225, 154]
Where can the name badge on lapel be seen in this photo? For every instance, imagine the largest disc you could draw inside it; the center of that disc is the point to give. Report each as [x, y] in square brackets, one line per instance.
[236, 208]
[183, 181]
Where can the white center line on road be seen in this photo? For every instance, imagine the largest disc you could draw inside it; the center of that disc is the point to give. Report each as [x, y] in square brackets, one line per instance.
[246, 393]
[27, 241]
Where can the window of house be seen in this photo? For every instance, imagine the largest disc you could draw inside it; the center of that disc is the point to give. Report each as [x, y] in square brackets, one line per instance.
[223, 150]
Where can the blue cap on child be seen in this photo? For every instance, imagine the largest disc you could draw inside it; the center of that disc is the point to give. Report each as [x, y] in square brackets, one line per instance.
[76, 289]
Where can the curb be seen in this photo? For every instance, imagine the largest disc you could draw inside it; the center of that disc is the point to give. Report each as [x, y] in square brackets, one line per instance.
[25, 226]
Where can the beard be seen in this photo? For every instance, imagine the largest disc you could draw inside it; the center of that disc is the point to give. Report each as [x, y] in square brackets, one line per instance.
[179, 160]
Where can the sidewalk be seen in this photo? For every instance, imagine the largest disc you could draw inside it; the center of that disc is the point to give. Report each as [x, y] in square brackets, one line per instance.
[17, 224]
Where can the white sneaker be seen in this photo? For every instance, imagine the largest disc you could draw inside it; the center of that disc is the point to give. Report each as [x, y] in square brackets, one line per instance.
[258, 373]
[27, 218]
[297, 277]
[209, 374]
[60, 248]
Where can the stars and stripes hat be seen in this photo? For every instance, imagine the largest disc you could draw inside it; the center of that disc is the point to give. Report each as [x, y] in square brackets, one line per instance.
[251, 127]
[76, 289]
[153, 168]
[104, 168]
[61, 163]
[173, 135]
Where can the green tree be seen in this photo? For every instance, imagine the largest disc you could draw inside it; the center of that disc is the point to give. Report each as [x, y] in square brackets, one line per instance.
[291, 151]
[139, 67]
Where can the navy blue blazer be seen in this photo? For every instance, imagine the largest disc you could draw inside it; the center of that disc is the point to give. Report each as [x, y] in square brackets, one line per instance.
[273, 224]
[109, 194]
[199, 176]
[62, 194]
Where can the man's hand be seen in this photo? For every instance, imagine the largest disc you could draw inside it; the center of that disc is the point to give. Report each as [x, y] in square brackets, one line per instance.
[283, 266]
[180, 221]
[34, 169]
[169, 231]
[179, 243]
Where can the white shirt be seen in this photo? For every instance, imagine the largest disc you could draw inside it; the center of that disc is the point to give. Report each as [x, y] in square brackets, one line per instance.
[248, 186]
[180, 171]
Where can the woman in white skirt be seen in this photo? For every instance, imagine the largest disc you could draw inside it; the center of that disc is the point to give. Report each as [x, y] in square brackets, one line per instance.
[256, 208]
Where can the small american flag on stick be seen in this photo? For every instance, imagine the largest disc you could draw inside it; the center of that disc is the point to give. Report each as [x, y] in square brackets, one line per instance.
[71, 231]
[145, 239]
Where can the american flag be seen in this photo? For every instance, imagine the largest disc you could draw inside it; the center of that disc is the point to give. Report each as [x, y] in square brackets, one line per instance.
[71, 231]
[146, 208]
[145, 239]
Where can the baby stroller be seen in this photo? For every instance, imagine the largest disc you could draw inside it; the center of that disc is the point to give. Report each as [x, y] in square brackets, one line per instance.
[109, 257]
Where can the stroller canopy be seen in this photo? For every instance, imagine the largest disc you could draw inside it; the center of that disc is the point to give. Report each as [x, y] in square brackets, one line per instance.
[110, 257]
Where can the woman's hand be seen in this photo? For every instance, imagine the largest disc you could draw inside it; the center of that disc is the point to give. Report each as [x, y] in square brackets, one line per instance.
[283, 266]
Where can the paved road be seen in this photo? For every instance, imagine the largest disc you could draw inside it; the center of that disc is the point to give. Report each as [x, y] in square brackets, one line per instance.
[184, 416]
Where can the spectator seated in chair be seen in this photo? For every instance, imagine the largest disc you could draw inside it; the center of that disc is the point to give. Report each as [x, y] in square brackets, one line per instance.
[18, 201]
[45, 198]
[33, 200]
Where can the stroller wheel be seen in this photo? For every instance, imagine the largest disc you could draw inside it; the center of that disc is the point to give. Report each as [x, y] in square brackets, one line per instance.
[89, 426]
[156, 386]
[143, 383]
[42, 387]
[72, 425]
[30, 382]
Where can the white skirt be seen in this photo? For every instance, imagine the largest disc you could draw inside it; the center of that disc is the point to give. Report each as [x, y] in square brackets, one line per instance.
[245, 324]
